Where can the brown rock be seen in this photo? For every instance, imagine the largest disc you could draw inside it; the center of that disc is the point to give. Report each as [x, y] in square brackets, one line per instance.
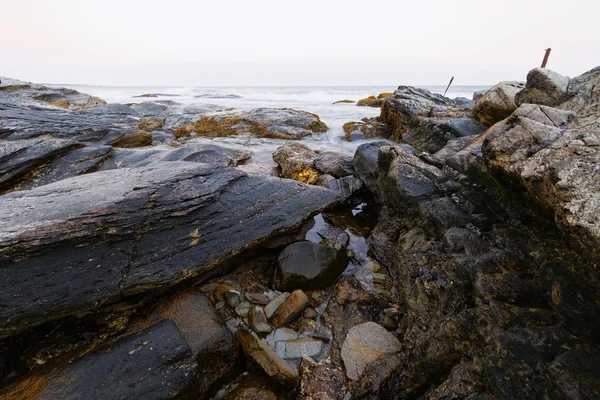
[257, 298]
[296, 162]
[204, 331]
[320, 381]
[270, 362]
[138, 139]
[364, 344]
[258, 320]
[291, 308]
[256, 388]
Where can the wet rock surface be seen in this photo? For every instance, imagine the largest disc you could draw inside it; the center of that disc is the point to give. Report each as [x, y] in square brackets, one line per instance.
[469, 256]
[486, 255]
[426, 120]
[367, 128]
[153, 363]
[307, 265]
[92, 219]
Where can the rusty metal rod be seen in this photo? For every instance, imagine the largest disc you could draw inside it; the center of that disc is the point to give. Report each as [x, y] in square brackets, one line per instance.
[546, 56]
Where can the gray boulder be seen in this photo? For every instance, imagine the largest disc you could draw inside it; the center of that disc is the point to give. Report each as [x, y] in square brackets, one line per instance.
[334, 164]
[543, 87]
[497, 103]
[307, 265]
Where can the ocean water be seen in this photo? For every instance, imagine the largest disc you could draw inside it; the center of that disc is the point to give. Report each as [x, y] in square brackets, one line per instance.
[318, 100]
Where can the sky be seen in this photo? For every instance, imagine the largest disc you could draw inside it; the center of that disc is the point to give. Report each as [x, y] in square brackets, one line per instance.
[276, 42]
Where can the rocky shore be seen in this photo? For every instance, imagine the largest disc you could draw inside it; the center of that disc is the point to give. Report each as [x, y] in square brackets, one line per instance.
[453, 256]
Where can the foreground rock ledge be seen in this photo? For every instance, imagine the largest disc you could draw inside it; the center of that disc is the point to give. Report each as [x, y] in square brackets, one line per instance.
[79, 243]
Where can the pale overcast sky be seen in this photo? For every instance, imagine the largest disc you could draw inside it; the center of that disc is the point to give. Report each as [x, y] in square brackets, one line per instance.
[277, 42]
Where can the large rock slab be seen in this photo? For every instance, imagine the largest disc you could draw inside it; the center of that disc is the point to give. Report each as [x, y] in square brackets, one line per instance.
[86, 241]
[154, 363]
[205, 332]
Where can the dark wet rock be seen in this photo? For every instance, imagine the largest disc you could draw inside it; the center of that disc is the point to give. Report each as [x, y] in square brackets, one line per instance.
[269, 361]
[153, 363]
[346, 186]
[490, 244]
[367, 128]
[333, 236]
[36, 162]
[426, 120]
[290, 309]
[307, 265]
[364, 344]
[576, 373]
[497, 103]
[187, 207]
[256, 388]
[320, 381]
[21, 158]
[23, 118]
[192, 152]
[204, 331]
[344, 102]
[365, 162]
[334, 164]
[543, 87]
